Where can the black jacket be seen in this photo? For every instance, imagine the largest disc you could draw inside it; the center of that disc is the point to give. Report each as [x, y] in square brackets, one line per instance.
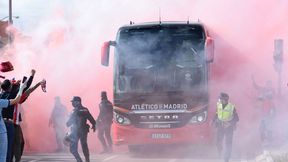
[106, 113]
[78, 120]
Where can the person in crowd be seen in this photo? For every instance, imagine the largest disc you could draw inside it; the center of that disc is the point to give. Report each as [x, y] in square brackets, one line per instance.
[19, 142]
[104, 121]
[79, 128]
[267, 110]
[10, 89]
[225, 121]
[6, 103]
[57, 121]
[12, 116]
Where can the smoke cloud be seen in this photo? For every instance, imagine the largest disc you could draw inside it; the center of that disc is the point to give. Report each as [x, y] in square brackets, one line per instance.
[62, 41]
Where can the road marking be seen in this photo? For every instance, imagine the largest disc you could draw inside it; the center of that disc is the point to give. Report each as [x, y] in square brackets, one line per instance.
[244, 161]
[172, 160]
[109, 158]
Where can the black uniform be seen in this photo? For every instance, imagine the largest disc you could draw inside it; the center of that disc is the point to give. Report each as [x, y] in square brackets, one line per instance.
[79, 130]
[104, 122]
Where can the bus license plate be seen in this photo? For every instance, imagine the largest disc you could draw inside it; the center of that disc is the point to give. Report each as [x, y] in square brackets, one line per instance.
[161, 136]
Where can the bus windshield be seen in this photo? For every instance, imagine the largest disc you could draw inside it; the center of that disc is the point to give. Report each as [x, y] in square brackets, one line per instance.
[160, 59]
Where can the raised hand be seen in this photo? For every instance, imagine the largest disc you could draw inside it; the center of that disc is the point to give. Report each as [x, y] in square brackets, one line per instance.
[33, 71]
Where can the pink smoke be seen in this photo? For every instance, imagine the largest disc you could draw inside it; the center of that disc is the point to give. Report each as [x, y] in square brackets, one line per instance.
[64, 48]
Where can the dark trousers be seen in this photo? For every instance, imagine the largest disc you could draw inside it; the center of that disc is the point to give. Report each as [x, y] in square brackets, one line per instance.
[18, 145]
[10, 134]
[228, 134]
[105, 130]
[74, 146]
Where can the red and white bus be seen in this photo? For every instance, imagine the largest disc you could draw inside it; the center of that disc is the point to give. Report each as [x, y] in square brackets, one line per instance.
[161, 83]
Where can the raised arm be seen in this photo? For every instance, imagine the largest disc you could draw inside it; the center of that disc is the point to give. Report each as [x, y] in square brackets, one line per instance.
[29, 91]
[30, 80]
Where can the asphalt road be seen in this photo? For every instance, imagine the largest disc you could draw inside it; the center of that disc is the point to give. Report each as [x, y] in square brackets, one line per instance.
[149, 154]
[122, 157]
[171, 153]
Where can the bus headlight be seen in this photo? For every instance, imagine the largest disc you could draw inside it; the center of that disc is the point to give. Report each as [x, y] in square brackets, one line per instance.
[120, 119]
[201, 117]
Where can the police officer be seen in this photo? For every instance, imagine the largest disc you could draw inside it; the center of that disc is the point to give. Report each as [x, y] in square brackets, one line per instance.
[104, 121]
[225, 121]
[79, 128]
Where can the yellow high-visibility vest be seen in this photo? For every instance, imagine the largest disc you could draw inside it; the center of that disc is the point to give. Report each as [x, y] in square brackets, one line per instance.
[226, 113]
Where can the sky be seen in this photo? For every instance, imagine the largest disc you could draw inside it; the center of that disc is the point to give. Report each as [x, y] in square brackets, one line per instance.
[62, 39]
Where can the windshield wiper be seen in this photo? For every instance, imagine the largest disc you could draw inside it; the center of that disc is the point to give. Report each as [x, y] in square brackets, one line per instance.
[193, 50]
[149, 67]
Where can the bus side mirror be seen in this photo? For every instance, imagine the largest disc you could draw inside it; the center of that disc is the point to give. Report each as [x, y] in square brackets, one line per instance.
[105, 51]
[209, 50]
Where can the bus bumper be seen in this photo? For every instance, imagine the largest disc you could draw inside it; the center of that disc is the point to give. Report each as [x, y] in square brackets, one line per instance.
[189, 134]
